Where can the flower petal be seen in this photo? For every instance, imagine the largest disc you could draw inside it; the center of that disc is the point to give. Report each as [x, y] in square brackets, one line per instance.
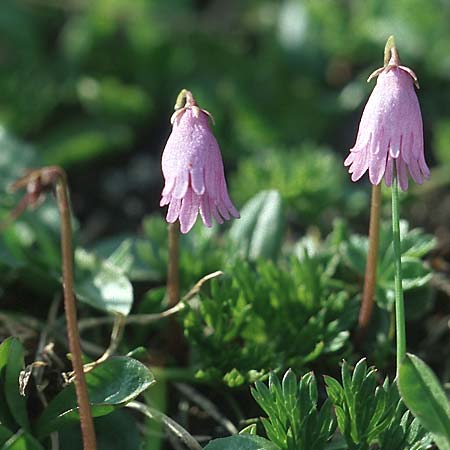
[174, 210]
[377, 158]
[181, 184]
[407, 145]
[361, 164]
[214, 212]
[395, 145]
[189, 211]
[168, 186]
[223, 210]
[402, 174]
[388, 174]
[417, 148]
[415, 171]
[165, 200]
[423, 166]
[205, 211]
[350, 158]
[227, 201]
[197, 181]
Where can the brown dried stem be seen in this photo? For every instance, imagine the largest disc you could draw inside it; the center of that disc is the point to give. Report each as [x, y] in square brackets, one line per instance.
[370, 279]
[37, 183]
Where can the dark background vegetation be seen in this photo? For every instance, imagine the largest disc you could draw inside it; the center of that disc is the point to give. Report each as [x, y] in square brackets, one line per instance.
[91, 86]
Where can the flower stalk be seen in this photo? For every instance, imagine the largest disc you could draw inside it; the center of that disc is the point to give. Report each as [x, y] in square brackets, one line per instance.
[370, 278]
[398, 289]
[173, 270]
[37, 183]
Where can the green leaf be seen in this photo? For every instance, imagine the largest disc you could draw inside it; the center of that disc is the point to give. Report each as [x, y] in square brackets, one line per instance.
[425, 397]
[116, 431]
[260, 228]
[121, 257]
[5, 413]
[5, 434]
[16, 401]
[22, 441]
[112, 384]
[102, 283]
[241, 442]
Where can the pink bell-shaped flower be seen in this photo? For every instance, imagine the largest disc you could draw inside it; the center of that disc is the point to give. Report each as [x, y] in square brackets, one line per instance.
[390, 132]
[193, 169]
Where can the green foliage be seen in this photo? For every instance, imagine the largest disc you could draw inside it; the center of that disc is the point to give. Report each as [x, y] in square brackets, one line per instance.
[102, 283]
[299, 177]
[88, 81]
[241, 442]
[441, 141]
[22, 440]
[369, 414]
[30, 246]
[5, 434]
[404, 432]
[75, 143]
[15, 400]
[295, 422]
[116, 431]
[259, 232]
[201, 252]
[111, 385]
[424, 395]
[414, 245]
[264, 317]
[13, 412]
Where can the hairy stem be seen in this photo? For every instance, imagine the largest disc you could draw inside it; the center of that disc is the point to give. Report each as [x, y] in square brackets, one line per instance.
[399, 303]
[370, 278]
[87, 425]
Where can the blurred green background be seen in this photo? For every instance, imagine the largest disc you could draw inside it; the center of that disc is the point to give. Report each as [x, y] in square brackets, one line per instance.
[91, 84]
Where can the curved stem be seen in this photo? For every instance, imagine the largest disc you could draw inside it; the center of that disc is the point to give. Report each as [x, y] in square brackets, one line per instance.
[87, 425]
[172, 426]
[370, 278]
[399, 302]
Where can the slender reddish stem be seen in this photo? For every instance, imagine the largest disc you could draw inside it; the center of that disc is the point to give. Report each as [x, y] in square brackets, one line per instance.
[87, 425]
[173, 276]
[370, 279]
[175, 340]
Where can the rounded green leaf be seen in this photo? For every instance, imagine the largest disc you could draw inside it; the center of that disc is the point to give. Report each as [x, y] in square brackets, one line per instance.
[241, 442]
[112, 384]
[102, 283]
[424, 396]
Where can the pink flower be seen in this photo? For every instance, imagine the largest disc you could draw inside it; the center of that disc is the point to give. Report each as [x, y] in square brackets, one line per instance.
[390, 131]
[193, 170]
